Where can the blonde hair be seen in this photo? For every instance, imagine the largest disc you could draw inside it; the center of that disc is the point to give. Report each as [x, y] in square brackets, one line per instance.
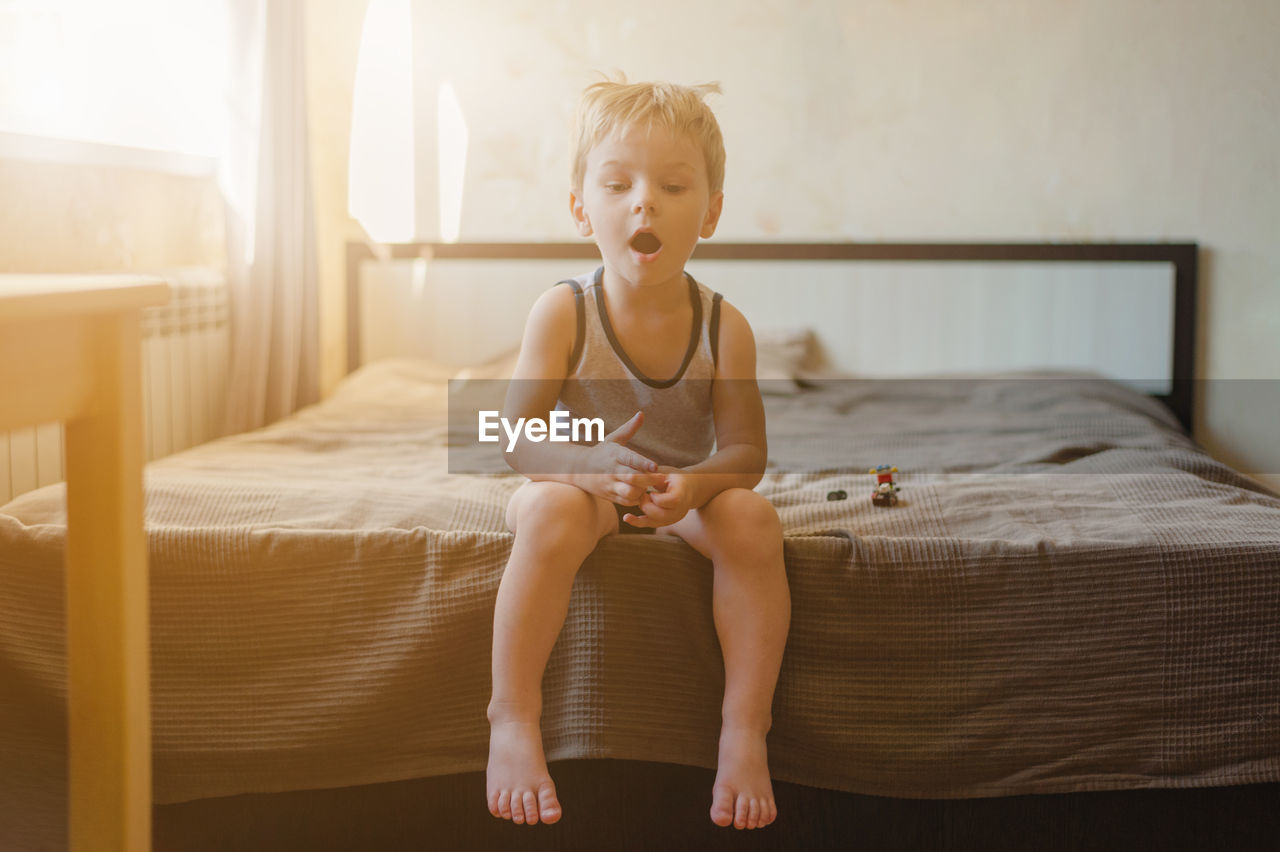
[614, 106]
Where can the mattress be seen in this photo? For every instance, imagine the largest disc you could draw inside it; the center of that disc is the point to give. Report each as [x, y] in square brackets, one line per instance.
[1070, 596]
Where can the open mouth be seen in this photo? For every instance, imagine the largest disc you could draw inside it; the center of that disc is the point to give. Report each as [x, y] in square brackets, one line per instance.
[646, 243]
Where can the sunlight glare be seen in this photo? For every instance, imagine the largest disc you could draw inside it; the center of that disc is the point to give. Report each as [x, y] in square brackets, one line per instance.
[453, 161]
[380, 180]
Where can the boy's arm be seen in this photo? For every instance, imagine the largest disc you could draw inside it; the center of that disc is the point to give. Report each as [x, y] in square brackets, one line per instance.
[608, 469]
[741, 446]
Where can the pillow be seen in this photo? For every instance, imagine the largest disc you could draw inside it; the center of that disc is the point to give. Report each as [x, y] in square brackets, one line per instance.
[408, 368]
[392, 379]
[498, 368]
[784, 355]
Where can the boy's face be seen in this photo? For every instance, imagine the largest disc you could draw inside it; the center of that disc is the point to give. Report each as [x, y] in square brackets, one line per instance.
[646, 182]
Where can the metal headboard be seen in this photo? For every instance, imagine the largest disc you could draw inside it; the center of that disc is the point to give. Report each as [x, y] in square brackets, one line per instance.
[1183, 257]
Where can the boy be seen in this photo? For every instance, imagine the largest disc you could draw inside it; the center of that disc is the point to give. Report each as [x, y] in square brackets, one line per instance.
[647, 184]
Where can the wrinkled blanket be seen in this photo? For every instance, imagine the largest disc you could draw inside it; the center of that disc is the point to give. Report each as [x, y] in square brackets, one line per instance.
[1070, 596]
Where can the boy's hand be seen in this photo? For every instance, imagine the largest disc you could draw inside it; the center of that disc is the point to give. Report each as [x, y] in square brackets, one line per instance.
[668, 505]
[616, 473]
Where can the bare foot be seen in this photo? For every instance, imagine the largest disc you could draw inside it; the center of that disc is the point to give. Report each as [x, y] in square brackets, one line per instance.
[742, 793]
[517, 783]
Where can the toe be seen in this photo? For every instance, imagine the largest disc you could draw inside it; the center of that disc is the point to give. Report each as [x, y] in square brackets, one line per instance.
[504, 804]
[740, 812]
[773, 812]
[549, 805]
[517, 807]
[721, 807]
[753, 814]
[530, 807]
[493, 804]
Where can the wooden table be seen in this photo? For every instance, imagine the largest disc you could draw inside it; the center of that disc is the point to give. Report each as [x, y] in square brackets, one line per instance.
[70, 351]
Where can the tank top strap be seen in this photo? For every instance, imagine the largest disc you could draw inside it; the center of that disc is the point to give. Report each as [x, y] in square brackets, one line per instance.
[713, 328]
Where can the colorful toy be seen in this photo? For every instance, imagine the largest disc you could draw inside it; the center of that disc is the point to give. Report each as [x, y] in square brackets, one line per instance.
[886, 493]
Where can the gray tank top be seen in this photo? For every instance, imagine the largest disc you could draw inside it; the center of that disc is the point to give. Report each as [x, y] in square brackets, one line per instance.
[603, 381]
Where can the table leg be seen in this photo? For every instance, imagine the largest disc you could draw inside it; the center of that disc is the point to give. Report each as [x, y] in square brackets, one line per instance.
[108, 651]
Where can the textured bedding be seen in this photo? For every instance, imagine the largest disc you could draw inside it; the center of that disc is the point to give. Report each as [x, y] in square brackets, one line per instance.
[1071, 596]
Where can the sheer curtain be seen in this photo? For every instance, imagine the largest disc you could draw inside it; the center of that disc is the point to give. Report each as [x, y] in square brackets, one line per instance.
[271, 263]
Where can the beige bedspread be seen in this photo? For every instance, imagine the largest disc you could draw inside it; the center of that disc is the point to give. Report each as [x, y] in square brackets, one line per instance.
[1070, 597]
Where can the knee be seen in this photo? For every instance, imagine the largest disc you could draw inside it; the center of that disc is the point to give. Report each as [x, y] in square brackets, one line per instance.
[744, 520]
[556, 516]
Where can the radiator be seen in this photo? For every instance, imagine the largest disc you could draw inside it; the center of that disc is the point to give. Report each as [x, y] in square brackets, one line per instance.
[185, 357]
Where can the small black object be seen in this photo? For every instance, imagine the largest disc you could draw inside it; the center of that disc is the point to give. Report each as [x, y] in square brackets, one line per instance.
[836, 495]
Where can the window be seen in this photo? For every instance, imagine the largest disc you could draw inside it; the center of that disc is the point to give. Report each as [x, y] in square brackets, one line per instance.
[140, 74]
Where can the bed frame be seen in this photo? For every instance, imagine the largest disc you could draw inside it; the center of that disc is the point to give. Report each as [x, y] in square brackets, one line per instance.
[1184, 257]
[632, 805]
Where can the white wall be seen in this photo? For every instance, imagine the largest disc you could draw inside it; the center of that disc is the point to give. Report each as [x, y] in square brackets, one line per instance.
[908, 120]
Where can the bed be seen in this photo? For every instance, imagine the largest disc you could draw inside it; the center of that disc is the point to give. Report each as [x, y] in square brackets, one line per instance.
[1071, 596]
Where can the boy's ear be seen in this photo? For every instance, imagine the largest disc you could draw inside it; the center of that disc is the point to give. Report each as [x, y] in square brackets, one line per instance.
[712, 218]
[579, 213]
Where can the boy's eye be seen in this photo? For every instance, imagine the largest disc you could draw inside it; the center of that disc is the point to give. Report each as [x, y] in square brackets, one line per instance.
[615, 186]
[673, 187]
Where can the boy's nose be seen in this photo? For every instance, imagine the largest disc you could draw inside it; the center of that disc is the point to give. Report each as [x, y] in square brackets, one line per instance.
[645, 199]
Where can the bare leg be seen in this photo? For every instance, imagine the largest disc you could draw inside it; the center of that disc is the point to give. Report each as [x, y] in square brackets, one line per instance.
[556, 526]
[740, 532]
